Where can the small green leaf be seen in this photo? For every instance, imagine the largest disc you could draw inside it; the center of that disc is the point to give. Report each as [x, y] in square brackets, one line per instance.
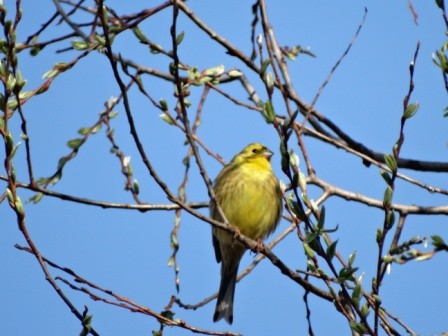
[388, 193]
[311, 236]
[112, 114]
[79, 45]
[50, 74]
[136, 187]
[297, 210]
[140, 35]
[155, 49]
[264, 66]
[19, 206]
[365, 310]
[163, 105]
[385, 175]
[390, 219]
[9, 195]
[167, 118]
[346, 274]
[308, 251]
[180, 38]
[268, 112]
[62, 161]
[36, 198]
[12, 104]
[235, 73]
[9, 142]
[379, 235]
[391, 162]
[411, 110]
[97, 128]
[215, 71]
[25, 94]
[331, 250]
[351, 259]
[321, 221]
[75, 143]
[269, 79]
[293, 158]
[168, 314]
[438, 243]
[84, 130]
[356, 295]
[14, 150]
[11, 82]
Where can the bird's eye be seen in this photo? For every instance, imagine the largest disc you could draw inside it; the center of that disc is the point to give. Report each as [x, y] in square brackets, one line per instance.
[255, 150]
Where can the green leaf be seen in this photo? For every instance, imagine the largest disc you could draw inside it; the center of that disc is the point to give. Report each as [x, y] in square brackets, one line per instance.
[79, 45]
[331, 250]
[97, 128]
[438, 243]
[50, 74]
[11, 82]
[269, 79]
[235, 73]
[440, 4]
[385, 175]
[215, 71]
[75, 143]
[62, 161]
[167, 118]
[379, 235]
[264, 66]
[390, 219]
[297, 210]
[346, 274]
[136, 187]
[388, 193]
[14, 150]
[112, 114]
[84, 130]
[302, 181]
[321, 221]
[351, 259]
[180, 38]
[168, 314]
[9, 195]
[19, 206]
[365, 310]
[293, 158]
[36, 198]
[163, 105]
[155, 49]
[268, 112]
[140, 35]
[411, 110]
[391, 162]
[311, 236]
[308, 251]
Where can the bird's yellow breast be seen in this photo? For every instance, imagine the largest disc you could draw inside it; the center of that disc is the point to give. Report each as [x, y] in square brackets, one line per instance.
[250, 198]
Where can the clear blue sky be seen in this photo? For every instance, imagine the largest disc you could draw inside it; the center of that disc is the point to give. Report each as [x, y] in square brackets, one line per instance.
[128, 251]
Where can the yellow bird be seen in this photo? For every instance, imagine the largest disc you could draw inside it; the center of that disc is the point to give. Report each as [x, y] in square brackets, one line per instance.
[250, 197]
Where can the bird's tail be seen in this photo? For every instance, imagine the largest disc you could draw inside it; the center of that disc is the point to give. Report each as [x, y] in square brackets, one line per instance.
[224, 305]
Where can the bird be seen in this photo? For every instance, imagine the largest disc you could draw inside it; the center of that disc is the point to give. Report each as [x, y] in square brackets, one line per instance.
[250, 197]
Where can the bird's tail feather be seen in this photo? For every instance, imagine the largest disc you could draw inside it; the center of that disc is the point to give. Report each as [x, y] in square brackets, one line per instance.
[224, 305]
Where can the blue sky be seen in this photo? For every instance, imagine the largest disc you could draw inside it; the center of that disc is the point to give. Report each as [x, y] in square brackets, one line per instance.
[127, 251]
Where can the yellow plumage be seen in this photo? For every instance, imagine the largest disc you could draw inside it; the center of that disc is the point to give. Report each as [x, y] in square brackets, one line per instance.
[249, 195]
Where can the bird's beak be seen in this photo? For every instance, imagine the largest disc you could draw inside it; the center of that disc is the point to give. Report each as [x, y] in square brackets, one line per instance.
[268, 154]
